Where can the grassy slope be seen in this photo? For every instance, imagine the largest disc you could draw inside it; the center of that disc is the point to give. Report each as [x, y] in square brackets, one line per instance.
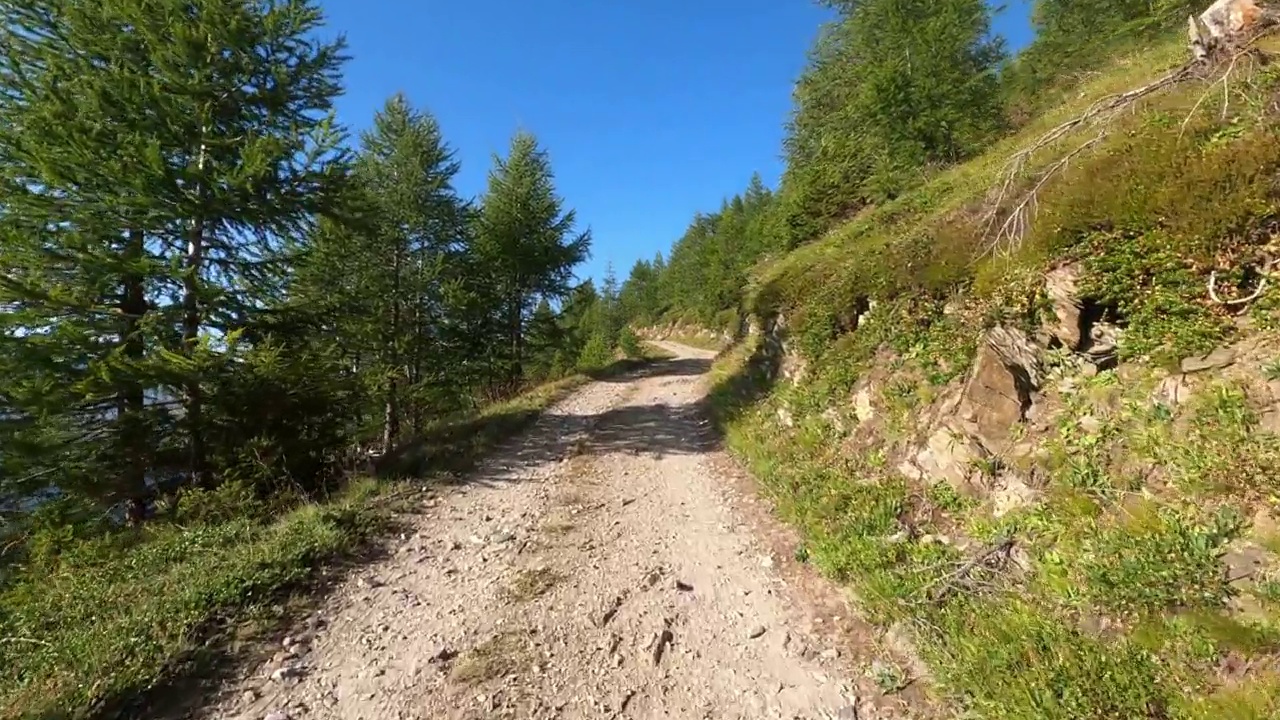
[111, 616]
[1122, 610]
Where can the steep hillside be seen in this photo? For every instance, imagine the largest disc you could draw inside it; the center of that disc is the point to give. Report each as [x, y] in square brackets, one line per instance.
[1043, 454]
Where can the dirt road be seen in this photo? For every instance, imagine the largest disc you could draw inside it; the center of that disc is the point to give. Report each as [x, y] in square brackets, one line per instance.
[605, 565]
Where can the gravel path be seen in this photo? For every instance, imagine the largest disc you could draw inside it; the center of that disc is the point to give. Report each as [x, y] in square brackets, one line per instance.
[601, 566]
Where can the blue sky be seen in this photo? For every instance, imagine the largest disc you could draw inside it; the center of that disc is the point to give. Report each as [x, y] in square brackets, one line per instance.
[650, 110]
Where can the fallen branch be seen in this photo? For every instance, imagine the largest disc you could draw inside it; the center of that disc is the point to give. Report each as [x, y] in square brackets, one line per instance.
[1266, 274]
[1005, 236]
[962, 578]
[33, 641]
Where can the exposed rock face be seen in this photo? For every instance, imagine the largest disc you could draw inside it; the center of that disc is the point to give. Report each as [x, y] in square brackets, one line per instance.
[999, 392]
[1061, 285]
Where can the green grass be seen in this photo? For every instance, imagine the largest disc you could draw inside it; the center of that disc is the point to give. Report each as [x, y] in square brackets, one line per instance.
[1114, 604]
[92, 621]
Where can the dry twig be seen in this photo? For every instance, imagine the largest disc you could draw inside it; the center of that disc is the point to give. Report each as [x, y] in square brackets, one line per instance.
[962, 578]
[1268, 273]
[1005, 235]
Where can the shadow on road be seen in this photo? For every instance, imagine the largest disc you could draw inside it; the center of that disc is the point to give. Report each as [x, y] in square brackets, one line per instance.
[655, 430]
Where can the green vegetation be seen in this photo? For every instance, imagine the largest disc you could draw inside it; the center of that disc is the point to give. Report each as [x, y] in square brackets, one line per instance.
[97, 615]
[1104, 594]
[220, 317]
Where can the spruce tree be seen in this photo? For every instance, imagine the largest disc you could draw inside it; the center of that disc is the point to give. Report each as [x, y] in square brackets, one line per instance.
[525, 241]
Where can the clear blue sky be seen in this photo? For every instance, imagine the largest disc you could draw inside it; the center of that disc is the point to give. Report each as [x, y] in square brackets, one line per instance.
[650, 110]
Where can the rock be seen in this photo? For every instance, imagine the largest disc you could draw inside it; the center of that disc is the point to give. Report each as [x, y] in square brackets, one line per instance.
[862, 407]
[1172, 391]
[277, 715]
[1102, 347]
[831, 654]
[949, 456]
[443, 655]
[1061, 285]
[683, 586]
[1220, 358]
[288, 672]
[1244, 562]
[502, 536]
[249, 696]
[661, 641]
[998, 392]
[784, 417]
[1017, 352]
[848, 712]
[1269, 421]
[1090, 424]
[766, 561]
[755, 632]
[1011, 493]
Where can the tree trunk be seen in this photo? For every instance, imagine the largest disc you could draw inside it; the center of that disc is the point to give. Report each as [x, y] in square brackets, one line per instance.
[391, 423]
[517, 345]
[191, 335]
[132, 399]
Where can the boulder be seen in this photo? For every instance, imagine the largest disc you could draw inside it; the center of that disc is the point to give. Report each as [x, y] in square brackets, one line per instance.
[998, 392]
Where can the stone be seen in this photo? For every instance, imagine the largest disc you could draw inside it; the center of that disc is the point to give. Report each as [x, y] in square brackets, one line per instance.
[1061, 285]
[1011, 493]
[249, 695]
[1244, 562]
[785, 419]
[1090, 424]
[950, 456]
[683, 586]
[996, 396]
[756, 632]
[502, 536]
[862, 407]
[1216, 360]
[277, 715]
[1269, 421]
[1172, 391]
[288, 672]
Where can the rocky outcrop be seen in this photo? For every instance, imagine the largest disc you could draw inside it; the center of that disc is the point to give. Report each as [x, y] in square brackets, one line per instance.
[1006, 373]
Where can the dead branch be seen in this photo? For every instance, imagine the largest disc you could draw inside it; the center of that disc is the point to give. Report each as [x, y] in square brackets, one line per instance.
[1005, 235]
[962, 577]
[32, 641]
[1267, 273]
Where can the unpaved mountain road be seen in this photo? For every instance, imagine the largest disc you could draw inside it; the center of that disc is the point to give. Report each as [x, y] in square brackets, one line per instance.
[610, 563]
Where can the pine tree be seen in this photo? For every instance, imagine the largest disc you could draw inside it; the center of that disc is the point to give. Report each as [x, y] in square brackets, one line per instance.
[154, 155]
[526, 241]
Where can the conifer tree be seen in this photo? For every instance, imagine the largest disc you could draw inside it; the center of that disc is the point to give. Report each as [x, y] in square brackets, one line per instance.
[154, 155]
[525, 241]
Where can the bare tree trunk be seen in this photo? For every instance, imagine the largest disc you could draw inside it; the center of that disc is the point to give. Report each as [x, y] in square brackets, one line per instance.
[391, 423]
[191, 335]
[132, 398]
